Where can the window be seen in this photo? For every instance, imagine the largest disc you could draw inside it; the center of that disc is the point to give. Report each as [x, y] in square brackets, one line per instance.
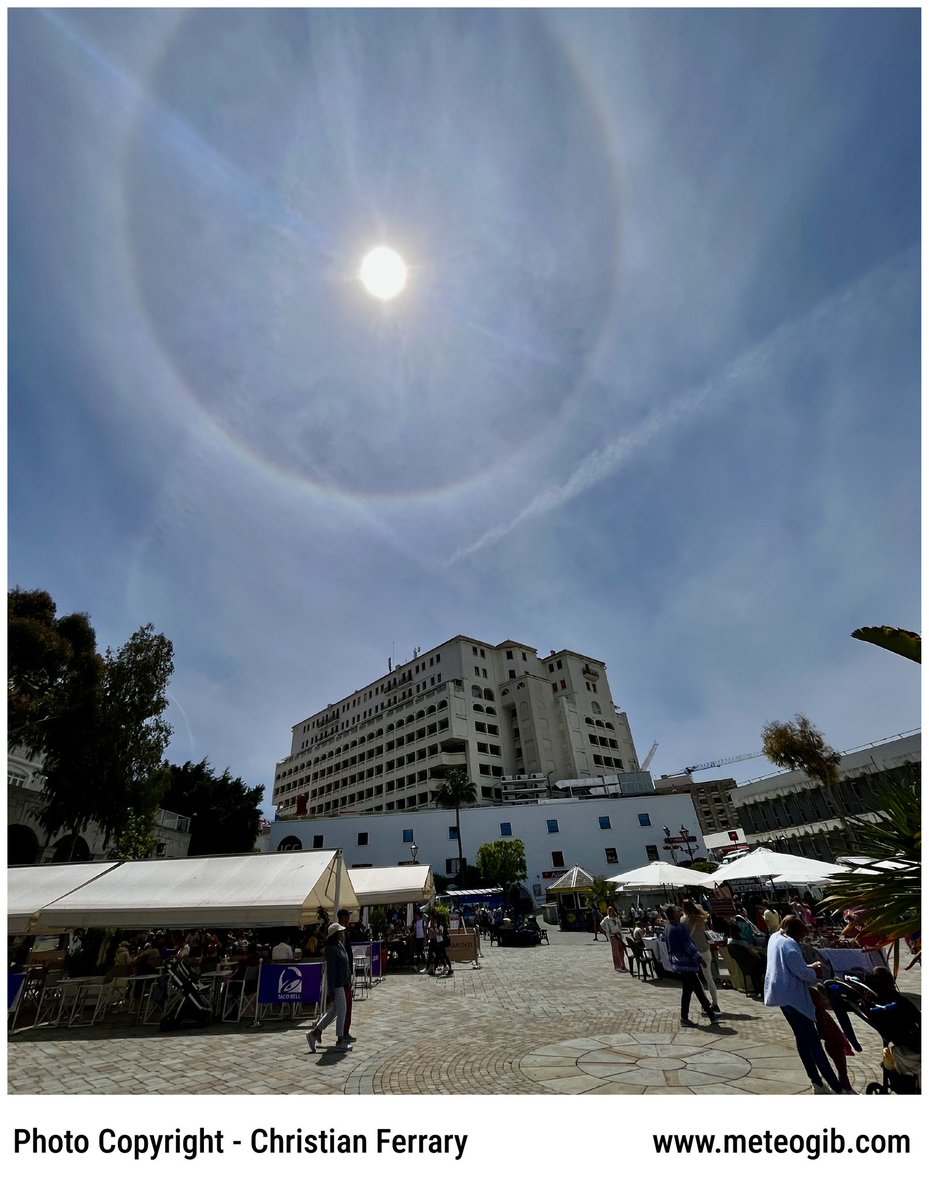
[652, 852]
[509, 653]
[362, 839]
[644, 819]
[408, 835]
[512, 674]
[506, 829]
[317, 841]
[453, 832]
[552, 826]
[557, 858]
[604, 822]
[452, 866]
[611, 855]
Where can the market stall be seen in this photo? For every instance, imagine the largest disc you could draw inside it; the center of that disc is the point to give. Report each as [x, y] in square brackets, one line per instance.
[178, 893]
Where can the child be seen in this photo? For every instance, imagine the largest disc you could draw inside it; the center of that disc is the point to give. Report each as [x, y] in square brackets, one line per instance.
[836, 1043]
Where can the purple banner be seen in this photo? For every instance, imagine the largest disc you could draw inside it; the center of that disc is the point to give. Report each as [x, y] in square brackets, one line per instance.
[376, 949]
[14, 984]
[290, 983]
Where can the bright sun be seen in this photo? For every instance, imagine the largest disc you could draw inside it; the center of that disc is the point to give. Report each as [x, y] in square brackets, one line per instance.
[383, 272]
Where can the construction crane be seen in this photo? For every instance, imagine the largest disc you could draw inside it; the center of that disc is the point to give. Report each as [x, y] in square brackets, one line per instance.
[719, 762]
[649, 757]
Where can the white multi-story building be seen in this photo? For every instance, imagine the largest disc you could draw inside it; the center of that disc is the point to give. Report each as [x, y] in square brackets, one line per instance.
[491, 711]
[604, 834]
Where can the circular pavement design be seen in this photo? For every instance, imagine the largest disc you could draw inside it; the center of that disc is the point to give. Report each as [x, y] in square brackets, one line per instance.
[636, 1063]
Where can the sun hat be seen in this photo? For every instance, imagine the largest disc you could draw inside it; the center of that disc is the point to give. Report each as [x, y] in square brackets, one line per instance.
[335, 927]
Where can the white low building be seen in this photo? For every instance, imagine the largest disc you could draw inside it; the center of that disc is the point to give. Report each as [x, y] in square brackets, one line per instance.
[603, 834]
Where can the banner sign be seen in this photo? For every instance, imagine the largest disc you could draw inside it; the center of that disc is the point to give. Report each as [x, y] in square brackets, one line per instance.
[14, 985]
[290, 983]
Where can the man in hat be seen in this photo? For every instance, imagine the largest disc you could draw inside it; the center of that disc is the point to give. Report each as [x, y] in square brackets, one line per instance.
[343, 917]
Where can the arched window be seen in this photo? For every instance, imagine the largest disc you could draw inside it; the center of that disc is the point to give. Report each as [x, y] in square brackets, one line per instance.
[609, 724]
[490, 711]
[421, 713]
[478, 707]
[390, 728]
[430, 709]
[443, 704]
[595, 707]
[488, 694]
[589, 720]
[475, 691]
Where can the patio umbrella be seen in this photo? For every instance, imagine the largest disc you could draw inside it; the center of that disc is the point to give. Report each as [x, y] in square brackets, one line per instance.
[656, 875]
[771, 864]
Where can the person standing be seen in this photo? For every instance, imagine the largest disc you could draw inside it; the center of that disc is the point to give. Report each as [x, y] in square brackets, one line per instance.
[787, 984]
[343, 916]
[771, 919]
[338, 978]
[686, 963]
[419, 940]
[694, 921]
[613, 931]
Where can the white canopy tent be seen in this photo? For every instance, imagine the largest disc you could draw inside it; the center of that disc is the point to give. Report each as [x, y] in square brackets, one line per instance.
[656, 875]
[392, 885]
[771, 864]
[227, 891]
[30, 889]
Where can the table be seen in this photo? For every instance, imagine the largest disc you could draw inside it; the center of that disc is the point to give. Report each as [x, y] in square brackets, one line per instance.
[217, 981]
[659, 949]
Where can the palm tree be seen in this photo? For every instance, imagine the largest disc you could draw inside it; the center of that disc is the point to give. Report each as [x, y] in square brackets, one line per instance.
[889, 895]
[454, 792]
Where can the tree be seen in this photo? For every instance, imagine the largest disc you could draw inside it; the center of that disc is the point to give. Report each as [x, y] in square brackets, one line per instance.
[602, 893]
[503, 863]
[799, 746]
[888, 637]
[454, 792]
[225, 812]
[94, 721]
[136, 841]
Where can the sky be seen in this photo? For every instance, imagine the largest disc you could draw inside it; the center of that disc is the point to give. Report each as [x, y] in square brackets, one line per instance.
[651, 392]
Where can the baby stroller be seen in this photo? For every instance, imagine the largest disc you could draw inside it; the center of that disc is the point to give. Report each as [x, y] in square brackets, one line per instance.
[186, 1001]
[437, 955]
[896, 1019]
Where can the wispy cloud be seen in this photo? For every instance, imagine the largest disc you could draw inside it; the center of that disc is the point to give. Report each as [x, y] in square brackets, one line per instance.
[730, 385]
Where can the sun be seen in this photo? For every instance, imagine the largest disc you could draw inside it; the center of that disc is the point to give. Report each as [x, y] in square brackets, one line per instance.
[383, 273]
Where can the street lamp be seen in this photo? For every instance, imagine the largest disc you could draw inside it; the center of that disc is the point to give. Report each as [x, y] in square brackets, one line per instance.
[669, 845]
[685, 834]
[414, 850]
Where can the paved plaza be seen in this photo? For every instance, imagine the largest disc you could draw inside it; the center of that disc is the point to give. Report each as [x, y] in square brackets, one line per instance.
[546, 1020]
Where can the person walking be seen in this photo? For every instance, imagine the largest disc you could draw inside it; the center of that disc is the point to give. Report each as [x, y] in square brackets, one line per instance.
[613, 931]
[694, 921]
[338, 978]
[686, 964]
[787, 984]
[342, 916]
[419, 941]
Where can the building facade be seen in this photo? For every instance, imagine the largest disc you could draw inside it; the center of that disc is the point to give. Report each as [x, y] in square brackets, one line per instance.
[790, 812]
[492, 711]
[28, 842]
[712, 800]
[606, 835]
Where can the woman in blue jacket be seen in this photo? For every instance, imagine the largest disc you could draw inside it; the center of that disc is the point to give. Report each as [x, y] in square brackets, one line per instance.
[686, 964]
[338, 978]
[787, 986]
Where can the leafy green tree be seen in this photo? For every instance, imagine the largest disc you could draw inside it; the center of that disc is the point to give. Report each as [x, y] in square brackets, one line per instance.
[602, 893]
[225, 812]
[457, 790]
[800, 746]
[135, 841]
[704, 865]
[503, 863]
[94, 721]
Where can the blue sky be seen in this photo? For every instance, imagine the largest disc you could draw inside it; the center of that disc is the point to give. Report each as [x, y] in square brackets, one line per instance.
[652, 391]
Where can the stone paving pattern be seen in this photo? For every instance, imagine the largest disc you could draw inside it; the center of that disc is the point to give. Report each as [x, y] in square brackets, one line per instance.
[547, 1020]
